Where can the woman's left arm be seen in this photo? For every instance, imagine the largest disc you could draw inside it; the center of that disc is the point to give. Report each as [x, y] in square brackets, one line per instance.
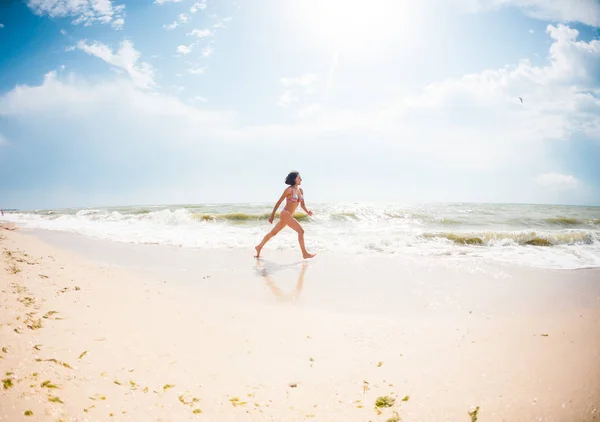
[303, 205]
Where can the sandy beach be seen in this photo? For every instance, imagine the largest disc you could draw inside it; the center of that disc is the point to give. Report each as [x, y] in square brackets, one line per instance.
[124, 333]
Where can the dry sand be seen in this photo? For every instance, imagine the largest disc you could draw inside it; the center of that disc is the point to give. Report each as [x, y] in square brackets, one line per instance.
[81, 340]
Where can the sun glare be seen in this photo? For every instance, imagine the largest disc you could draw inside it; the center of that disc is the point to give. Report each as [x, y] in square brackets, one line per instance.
[355, 24]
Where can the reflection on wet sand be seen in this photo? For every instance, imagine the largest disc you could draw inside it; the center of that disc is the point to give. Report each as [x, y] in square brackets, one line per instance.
[266, 271]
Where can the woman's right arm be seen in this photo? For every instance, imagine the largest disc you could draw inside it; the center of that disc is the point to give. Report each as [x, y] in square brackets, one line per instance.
[283, 195]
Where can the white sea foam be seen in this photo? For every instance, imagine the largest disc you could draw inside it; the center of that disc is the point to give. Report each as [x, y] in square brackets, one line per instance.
[542, 236]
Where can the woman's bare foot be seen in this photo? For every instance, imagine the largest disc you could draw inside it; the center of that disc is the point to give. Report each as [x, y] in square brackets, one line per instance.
[257, 251]
[307, 255]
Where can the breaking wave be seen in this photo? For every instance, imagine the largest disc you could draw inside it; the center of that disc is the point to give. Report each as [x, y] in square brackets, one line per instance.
[544, 236]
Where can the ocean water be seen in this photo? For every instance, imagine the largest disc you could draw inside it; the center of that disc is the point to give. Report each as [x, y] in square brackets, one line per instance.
[561, 237]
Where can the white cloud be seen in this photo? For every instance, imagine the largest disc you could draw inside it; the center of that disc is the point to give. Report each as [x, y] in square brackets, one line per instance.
[161, 2]
[183, 18]
[184, 49]
[332, 68]
[3, 140]
[287, 97]
[201, 99]
[118, 23]
[171, 25]
[63, 32]
[558, 181]
[308, 111]
[197, 70]
[126, 58]
[200, 33]
[531, 31]
[474, 125]
[478, 120]
[584, 11]
[475, 121]
[221, 22]
[305, 80]
[572, 60]
[55, 101]
[54, 96]
[291, 85]
[86, 12]
[207, 51]
[198, 6]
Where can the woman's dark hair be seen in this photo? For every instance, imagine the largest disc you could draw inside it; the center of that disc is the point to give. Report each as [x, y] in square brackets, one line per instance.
[291, 178]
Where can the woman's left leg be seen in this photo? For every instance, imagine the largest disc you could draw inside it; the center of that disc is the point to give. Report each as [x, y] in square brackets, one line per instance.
[278, 227]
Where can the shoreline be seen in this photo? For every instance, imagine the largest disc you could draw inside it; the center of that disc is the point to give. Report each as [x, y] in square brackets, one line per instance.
[457, 339]
[362, 284]
[531, 235]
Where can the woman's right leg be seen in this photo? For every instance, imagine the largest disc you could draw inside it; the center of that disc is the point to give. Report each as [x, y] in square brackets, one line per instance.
[293, 223]
[278, 227]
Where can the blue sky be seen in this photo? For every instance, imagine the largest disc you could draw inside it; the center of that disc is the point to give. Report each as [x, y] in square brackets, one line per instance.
[149, 102]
